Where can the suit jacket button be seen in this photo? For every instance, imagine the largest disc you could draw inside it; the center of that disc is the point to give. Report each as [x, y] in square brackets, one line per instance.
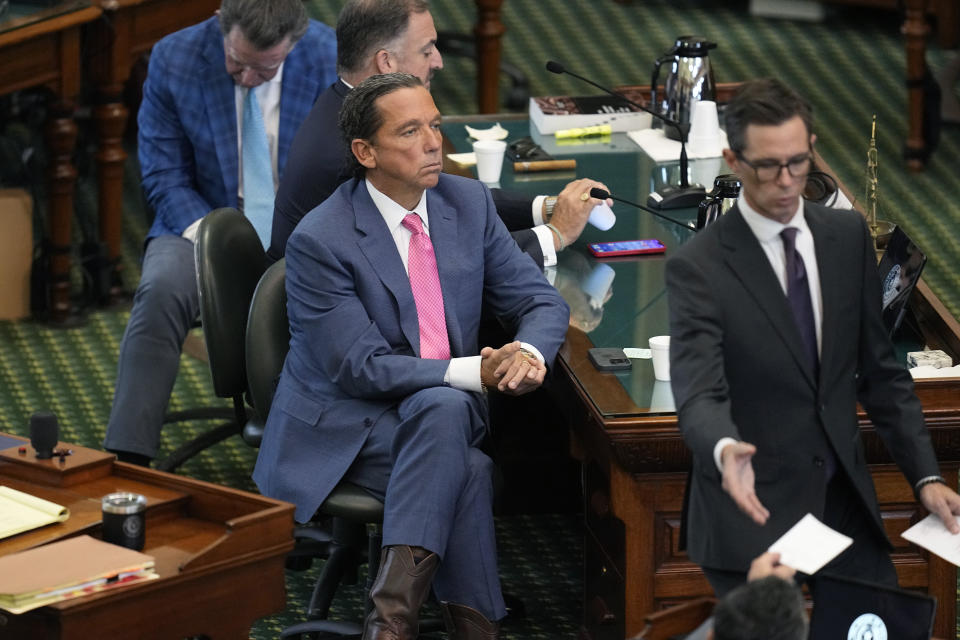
[817, 461]
[367, 422]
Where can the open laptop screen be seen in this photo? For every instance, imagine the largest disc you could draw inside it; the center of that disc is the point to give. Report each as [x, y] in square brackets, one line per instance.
[856, 610]
[900, 269]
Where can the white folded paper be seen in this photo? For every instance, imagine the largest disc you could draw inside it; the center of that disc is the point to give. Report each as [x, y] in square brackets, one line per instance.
[809, 545]
[658, 146]
[931, 534]
[496, 132]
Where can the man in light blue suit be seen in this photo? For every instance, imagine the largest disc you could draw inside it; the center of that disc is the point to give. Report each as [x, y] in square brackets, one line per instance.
[190, 130]
[370, 395]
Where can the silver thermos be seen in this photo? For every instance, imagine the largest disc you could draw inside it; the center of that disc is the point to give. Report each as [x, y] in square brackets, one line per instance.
[689, 80]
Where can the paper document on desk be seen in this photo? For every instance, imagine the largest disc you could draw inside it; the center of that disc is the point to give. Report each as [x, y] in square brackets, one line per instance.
[22, 512]
[931, 534]
[809, 545]
[660, 148]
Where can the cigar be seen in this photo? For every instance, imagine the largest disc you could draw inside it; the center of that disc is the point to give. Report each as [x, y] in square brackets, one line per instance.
[544, 165]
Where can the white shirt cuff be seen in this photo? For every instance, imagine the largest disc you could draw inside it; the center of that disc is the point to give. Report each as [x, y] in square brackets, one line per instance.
[718, 449]
[545, 236]
[190, 233]
[464, 374]
[538, 210]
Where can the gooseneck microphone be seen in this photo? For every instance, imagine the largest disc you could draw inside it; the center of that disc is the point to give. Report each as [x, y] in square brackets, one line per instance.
[44, 433]
[682, 197]
[600, 194]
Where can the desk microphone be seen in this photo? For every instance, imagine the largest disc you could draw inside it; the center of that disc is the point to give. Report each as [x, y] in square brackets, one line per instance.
[681, 197]
[600, 194]
[44, 433]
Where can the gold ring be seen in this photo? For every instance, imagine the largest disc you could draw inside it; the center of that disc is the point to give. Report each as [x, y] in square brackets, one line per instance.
[584, 196]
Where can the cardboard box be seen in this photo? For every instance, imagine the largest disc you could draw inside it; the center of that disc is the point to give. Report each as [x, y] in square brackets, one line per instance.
[16, 251]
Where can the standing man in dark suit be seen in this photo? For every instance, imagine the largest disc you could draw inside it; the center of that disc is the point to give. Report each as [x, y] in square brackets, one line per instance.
[383, 36]
[262, 58]
[776, 334]
[384, 381]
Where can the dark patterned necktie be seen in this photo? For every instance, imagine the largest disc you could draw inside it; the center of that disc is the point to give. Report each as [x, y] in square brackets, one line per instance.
[798, 295]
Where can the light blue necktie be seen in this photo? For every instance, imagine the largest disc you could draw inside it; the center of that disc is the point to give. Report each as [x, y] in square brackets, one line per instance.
[258, 192]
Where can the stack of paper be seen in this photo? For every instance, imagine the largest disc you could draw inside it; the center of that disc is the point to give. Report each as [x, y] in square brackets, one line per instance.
[22, 512]
[68, 569]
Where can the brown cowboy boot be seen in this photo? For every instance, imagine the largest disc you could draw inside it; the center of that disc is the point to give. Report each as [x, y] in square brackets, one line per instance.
[400, 589]
[465, 623]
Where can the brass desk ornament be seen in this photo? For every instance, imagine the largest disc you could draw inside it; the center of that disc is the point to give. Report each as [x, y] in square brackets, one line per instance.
[880, 230]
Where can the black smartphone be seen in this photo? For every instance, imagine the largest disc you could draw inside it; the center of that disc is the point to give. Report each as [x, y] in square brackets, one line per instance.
[609, 359]
[626, 248]
[526, 150]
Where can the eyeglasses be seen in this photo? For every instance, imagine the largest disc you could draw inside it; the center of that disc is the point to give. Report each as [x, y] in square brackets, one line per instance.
[769, 170]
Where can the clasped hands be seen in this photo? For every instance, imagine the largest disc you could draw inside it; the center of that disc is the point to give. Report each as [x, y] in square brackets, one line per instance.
[738, 482]
[510, 369]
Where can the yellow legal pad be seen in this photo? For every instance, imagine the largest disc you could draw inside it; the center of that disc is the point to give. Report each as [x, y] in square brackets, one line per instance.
[68, 569]
[21, 511]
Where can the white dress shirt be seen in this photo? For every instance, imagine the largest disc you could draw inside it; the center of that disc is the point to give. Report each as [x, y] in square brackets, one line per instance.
[464, 372]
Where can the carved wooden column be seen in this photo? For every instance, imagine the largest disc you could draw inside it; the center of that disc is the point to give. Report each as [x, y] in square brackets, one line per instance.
[61, 138]
[488, 32]
[915, 30]
[110, 68]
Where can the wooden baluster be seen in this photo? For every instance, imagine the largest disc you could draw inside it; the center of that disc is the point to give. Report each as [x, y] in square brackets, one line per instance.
[488, 32]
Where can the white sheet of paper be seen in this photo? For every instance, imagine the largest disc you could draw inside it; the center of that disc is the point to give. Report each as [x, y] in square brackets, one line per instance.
[636, 352]
[809, 545]
[658, 146]
[931, 534]
[467, 159]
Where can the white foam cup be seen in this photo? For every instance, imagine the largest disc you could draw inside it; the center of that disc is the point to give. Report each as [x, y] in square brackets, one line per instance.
[602, 216]
[660, 350]
[704, 138]
[489, 159]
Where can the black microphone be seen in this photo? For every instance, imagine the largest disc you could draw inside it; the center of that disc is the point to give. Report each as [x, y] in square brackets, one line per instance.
[600, 194]
[682, 197]
[44, 433]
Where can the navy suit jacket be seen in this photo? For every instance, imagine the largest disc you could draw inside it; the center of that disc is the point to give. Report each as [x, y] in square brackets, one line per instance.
[317, 166]
[354, 334]
[738, 370]
[188, 121]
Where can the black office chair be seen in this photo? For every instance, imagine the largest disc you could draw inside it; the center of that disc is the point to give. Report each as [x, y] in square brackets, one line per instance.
[230, 260]
[356, 516]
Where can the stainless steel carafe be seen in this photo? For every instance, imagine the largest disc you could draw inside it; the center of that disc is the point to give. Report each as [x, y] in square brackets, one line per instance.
[726, 189]
[689, 80]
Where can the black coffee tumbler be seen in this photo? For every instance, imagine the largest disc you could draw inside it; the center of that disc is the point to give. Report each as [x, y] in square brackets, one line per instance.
[44, 433]
[124, 523]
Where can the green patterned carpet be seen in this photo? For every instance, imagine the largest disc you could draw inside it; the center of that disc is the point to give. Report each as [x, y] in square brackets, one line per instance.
[850, 67]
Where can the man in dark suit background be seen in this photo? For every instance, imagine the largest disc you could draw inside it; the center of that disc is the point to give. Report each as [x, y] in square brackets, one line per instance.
[383, 387]
[191, 125]
[382, 36]
[776, 334]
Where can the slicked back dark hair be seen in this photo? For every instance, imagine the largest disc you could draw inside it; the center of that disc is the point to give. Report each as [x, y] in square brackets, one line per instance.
[265, 23]
[366, 26]
[767, 609]
[765, 101]
[360, 116]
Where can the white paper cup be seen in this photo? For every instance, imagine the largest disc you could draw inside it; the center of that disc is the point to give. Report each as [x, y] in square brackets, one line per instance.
[489, 159]
[660, 350]
[602, 216]
[704, 139]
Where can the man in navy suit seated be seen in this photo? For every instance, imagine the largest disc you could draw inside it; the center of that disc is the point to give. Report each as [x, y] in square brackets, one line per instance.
[200, 83]
[385, 379]
[382, 36]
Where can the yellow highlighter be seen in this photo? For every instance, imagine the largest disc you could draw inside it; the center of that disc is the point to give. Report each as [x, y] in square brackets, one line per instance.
[584, 132]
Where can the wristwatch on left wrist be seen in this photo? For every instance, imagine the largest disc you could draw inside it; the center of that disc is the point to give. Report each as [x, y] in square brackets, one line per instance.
[549, 204]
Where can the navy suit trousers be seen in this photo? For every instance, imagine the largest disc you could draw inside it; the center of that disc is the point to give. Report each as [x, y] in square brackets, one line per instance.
[423, 460]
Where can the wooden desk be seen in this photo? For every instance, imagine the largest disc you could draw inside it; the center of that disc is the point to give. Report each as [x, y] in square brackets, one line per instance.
[219, 552]
[634, 460]
[129, 29]
[42, 48]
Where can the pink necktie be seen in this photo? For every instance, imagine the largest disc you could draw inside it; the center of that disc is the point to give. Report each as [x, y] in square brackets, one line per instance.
[425, 282]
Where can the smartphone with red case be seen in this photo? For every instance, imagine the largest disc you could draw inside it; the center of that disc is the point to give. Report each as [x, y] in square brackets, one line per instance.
[626, 248]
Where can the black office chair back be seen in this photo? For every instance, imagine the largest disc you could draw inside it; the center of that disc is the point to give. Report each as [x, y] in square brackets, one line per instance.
[230, 260]
[268, 337]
